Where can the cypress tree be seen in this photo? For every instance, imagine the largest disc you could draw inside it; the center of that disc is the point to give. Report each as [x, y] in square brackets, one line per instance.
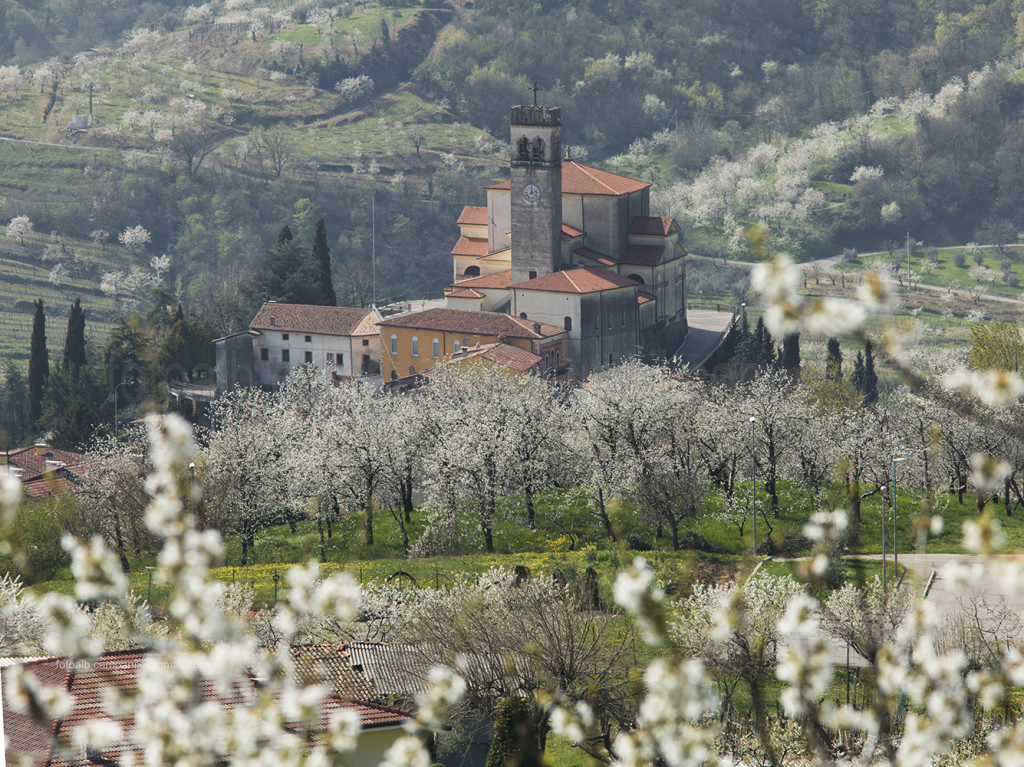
[791, 354]
[322, 263]
[767, 350]
[74, 342]
[834, 361]
[870, 378]
[38, 364]
[284, 236]
[515, 736]
[858, 372]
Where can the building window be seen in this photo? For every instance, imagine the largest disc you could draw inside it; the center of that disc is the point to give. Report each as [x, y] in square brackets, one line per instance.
[394, 375]
[533, 274]
[611, 359]
[436, 348]
[609, 320]
[471, 271]
[330, 358]
[415, 346]
[597, 322]
[636, 278]
[309, 339]
[567, 322]
[264, 354]
[309, 356]
[456, 347]
[286, 356]
[339, 360]
[394, 344]
[538, 148]
[524, 148]
[284, 336]
[366, 342]
[623, 318]
[522, 315]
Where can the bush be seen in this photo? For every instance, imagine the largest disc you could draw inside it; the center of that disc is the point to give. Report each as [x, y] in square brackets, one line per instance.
[932, 254]
[37, 531]
[960, 259]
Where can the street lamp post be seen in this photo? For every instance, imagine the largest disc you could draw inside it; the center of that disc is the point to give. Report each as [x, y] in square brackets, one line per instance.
[884, 515]
[895, 545]
[753, 483]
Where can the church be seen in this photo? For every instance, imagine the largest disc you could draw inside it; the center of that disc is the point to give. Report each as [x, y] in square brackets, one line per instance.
[573, 247]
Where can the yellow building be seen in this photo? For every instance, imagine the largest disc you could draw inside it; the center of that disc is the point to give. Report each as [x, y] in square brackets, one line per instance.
[413, 343]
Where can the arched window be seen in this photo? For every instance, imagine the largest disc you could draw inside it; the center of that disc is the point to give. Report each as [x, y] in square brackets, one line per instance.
[435, 348]
[394, 375]
[394, 344]
[522, 315]
[611, 359]
[637, 278]
[456, 347]
[472, 271]
[538, 148]
[568, 323]
[533, 274]
[524, 148]
[415, 346]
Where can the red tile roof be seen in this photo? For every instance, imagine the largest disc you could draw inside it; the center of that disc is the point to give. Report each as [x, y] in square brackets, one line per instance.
[88, 683]
[583, 279]
[331, 663]
[504, 354]
[473, 215]
[51, 483]
[498, 280]
[571, 231]
[643, 297]
[463, 293]
[594, 255]
[643, 255]
[582, 179]
[50, 460]
[303, 318]
[474, 323]
[470, 246]
[653, 225]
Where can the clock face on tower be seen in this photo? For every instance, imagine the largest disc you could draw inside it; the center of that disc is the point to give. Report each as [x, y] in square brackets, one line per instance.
[531, 193]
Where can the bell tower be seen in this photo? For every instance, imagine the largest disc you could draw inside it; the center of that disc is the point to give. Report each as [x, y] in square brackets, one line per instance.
[536, 170]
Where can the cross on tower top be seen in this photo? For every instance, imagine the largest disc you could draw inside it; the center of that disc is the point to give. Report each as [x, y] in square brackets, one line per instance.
[535, 88]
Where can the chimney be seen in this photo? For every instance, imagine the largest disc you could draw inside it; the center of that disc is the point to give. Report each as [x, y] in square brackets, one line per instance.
[536, 328]
[40, 448]
[4, 458]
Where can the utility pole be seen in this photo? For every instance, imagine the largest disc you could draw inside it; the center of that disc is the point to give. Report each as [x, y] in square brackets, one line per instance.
[373, 241]
[885, 513]
[753, 483]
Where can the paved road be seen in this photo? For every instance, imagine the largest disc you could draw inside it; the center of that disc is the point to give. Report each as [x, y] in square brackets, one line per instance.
[977, 595]
[707, 329]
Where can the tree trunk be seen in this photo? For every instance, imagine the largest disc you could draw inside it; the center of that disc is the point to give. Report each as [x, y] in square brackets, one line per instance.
[486, 516]
[368, 524]
[245, 551]
[773, 495]
[119, 542]
[675, 534]
[323, 543]
[530, 516]
[406, 491]
[603, 514]
[1006, 491]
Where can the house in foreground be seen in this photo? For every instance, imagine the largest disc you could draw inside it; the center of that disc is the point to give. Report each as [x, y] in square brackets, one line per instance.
[46, 742]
